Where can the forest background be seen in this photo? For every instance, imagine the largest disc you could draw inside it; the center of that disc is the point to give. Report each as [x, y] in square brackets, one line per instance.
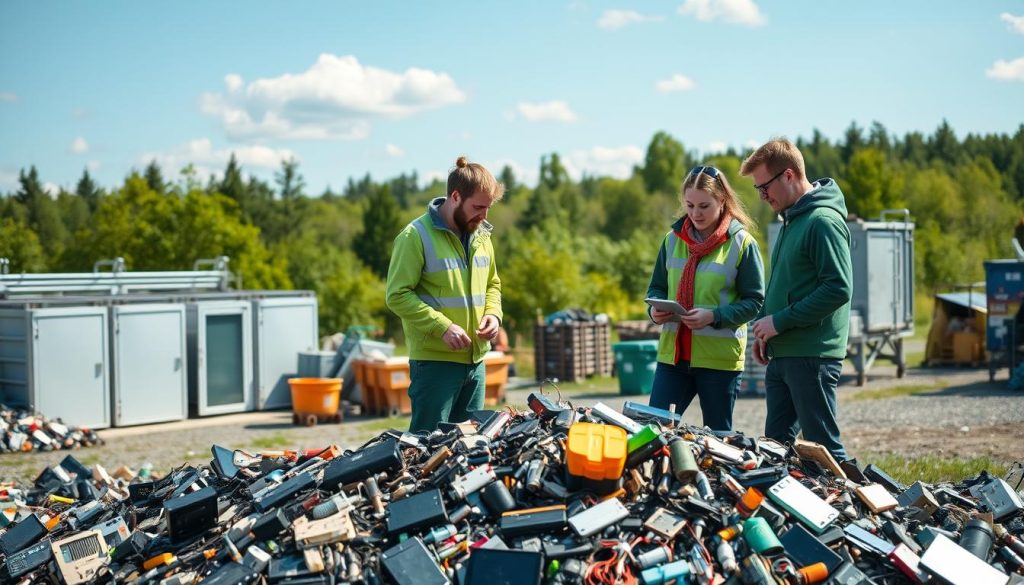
[561, 243]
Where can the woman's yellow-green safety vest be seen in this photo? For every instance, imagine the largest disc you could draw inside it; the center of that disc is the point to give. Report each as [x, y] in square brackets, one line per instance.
[455, 289]
[714, 286]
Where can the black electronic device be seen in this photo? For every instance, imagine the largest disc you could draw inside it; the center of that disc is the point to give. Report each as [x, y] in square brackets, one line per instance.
[505, 567]
[875, 474]
[231, 574]
[191, 514]
[853, 472]
[533, 521]
[21, 535]
[831, 536]
[271, 524]
[848, 574]
[805, 549]
[28, 559]
[140, 492]
[223, 462]
[764, 476]
[564, 420]
[284, 492]
[287, 567]
[409, 563]
[382, 457]
[526, 427]
[416, 512]
[72, 465]
[542, 406]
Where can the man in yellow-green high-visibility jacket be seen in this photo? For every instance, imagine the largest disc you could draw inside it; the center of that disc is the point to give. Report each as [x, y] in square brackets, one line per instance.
[443, 284]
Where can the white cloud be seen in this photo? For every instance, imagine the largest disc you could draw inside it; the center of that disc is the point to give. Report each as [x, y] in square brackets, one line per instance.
[557, 111]
[93, 165]
[79, 146]
[717, 146]
[336, 98]
[233, 82]
[207, 160]
[742, 12]
[1016, 22]
[7, 96]
[616, 19]
[51, 189]
[753, 144]
[393, 151]
[603, 161]
[1007, 70]
[524, 175]
[675, 83]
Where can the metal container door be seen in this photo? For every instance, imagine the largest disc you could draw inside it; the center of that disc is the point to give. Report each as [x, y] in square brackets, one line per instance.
[224, 357]
[149, 379]
[69, 365]
[284, 327]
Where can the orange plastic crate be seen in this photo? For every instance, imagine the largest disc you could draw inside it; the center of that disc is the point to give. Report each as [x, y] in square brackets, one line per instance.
[496, 378]
[391, 379]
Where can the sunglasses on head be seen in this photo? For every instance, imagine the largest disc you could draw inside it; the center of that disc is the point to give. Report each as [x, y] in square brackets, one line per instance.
[709, 171]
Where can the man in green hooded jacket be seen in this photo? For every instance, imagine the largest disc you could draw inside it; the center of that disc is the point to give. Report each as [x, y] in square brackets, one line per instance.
[804, 324]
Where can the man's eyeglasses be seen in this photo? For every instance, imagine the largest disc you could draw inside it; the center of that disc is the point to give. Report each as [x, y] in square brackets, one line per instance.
[709, 171]
[763, 187]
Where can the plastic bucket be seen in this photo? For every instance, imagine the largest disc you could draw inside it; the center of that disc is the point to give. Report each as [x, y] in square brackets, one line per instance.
[317, 396]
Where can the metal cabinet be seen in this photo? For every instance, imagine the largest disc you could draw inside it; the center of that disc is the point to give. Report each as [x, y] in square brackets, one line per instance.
[284, 326]
[220, 369]
[55, 361]
[148, 363]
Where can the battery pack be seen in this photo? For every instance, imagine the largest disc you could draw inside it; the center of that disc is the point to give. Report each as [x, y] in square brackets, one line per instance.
[417, 512]
[409, 563]
[533, 521]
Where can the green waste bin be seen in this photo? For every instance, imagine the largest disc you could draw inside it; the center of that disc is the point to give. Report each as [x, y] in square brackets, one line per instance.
[635, 362]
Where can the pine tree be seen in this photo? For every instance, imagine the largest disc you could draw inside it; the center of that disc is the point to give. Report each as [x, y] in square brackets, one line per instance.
[88, 190]
[381, 223]
[155, 178]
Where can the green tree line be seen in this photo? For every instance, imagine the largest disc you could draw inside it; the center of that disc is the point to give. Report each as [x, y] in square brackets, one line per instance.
[563, 243]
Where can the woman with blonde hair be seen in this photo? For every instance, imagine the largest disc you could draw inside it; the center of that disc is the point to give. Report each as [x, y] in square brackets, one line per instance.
[709, 263]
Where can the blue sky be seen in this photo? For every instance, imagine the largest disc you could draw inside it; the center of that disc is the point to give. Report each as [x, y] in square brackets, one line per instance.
[349, 88]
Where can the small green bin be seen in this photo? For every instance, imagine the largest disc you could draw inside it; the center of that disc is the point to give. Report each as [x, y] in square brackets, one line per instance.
[635, 362]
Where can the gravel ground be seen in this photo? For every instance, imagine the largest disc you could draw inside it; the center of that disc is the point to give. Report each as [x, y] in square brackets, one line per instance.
[955, 412]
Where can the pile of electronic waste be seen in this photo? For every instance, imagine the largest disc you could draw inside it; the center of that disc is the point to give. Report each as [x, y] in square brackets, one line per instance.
[555, 494]
[23, 431]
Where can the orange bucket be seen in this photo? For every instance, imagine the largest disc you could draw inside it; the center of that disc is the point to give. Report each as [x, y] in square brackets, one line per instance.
[317, 396]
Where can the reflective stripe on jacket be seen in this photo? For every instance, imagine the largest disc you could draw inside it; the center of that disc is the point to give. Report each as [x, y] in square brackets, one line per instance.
[716, 348]
[432, 284]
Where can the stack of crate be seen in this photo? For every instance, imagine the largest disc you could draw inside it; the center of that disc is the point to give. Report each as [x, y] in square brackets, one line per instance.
[572, 350]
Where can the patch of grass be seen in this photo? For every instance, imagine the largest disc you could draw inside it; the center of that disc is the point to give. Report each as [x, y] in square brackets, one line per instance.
[915, 358]
[383, 424]
[90, 459]
[935, 468]
[895, 391]
[274, 441]
[594, 385]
